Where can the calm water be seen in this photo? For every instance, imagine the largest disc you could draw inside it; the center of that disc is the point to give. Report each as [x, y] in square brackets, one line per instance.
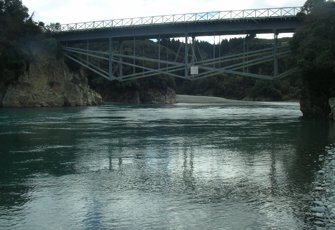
[171, 167]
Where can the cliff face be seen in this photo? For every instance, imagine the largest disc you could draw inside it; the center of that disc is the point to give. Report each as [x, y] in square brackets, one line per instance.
[47, 82]
[332, 108]
[317, 96]
[313, 104]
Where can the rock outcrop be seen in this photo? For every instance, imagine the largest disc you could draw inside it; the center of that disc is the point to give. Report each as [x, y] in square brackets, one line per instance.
[142, 91]
[313, 106]
[137, 96]
[315, 97]
[158, 96]
[332, 108]
[48, 82]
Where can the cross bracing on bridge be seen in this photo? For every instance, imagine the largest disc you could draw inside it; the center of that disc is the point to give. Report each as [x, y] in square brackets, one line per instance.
[123, 64]
[114, 63]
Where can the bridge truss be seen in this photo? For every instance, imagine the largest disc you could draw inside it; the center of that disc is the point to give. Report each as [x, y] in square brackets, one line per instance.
[112, 49]
[122, 60]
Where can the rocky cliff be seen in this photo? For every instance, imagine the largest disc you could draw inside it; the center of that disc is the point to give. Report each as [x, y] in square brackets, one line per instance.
[332, 108]
[47, 82]
[317, 97]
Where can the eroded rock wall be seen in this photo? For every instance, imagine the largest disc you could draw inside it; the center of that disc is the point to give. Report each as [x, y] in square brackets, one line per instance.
[48, 82]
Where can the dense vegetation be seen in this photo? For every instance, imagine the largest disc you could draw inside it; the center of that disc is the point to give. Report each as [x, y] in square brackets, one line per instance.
[314, 49]
[20, 35]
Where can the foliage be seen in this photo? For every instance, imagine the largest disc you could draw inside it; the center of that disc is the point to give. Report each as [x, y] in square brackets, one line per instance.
[20, 35]
[314, 49]
[53, 27]
[311, 5]
[314, 43]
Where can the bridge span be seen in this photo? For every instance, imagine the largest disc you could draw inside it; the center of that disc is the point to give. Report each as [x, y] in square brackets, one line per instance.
[110, 61]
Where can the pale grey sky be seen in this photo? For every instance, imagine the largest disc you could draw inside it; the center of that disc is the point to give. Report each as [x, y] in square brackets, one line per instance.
[68, 11]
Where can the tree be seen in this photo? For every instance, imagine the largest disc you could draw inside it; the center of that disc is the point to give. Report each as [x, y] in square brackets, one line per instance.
[312, 4]
[18, 34]
[314, 49]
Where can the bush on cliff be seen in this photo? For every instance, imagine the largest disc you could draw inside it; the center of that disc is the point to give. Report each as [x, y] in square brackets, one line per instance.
[31, 74]
[20, 35]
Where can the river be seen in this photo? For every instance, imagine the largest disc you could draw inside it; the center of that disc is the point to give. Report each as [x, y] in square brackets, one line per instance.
[184, 166]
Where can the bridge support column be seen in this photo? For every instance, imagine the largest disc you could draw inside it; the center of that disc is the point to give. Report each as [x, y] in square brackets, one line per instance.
[275, 55]
[87, 49]
[134, 54]
[214, 51]
[121, 60]
[167, 52]
[194, 58]
[244, 52]
[186, 56]
[110, 58]
[220, 50]
[159, 52]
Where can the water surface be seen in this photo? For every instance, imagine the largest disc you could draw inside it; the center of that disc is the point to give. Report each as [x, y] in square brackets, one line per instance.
[162, 167]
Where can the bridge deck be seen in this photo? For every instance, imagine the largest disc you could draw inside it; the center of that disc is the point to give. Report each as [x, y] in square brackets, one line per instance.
[272, 20]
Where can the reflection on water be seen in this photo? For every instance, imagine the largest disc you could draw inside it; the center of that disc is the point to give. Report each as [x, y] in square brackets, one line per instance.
[183, 166]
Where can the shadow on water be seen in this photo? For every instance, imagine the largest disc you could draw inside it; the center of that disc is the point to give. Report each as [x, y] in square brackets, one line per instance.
[313, 137]
[33, 142]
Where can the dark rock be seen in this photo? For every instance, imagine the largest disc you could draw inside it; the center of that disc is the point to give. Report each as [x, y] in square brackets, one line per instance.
[319, 215]
[321, 172]
[331, 102]
[136, 93]
[313, 104]
[318, 203]
[319, 189]
[318, 209]
[157, 96]
[320, 223]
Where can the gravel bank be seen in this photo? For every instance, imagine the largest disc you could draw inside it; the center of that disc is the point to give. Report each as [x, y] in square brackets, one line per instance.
[322, 208]
[205, 100]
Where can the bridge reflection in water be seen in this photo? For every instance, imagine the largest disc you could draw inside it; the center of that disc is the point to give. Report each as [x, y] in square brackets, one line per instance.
[110, 48]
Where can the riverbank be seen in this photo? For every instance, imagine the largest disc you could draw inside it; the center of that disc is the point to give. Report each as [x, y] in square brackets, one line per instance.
[322, 209]
[204, 99]
[190, 99]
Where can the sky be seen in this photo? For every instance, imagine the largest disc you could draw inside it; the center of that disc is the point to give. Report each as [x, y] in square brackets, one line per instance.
[69, 11]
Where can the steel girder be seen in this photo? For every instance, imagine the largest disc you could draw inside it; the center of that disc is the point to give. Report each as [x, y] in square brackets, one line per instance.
[114, 64]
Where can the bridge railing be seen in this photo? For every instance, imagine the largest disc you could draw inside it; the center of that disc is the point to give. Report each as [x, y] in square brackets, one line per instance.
[181, 18]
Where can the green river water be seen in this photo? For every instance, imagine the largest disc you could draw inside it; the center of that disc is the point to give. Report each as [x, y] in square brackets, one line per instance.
[159, 167]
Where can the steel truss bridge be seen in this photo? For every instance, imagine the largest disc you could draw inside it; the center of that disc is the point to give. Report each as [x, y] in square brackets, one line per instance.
[111, 48]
